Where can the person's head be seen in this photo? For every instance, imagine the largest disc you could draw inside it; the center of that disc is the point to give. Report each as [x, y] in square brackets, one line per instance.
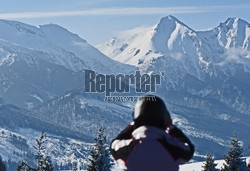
[151, 111]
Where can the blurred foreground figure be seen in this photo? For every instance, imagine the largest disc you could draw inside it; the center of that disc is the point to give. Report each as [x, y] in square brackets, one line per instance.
[151, 142]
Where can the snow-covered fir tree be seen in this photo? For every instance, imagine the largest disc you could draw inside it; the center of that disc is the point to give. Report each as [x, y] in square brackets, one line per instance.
[99, 159]
[233, 159]
[209, 164]
[25, 167]
[43, 160]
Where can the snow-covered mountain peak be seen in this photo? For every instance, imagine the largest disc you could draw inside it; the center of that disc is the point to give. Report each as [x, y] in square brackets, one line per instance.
[130, 46]
[169, 23]
[44, 38]
[47, 38]
[16, 27]
[168, 32]
[233, 33]
[235, 22]
[56, 31]
[172, 38]
[62, 46]
[144, 44]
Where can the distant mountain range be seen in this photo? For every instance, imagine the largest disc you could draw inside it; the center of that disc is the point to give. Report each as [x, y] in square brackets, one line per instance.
[206, 85]
[207, 75]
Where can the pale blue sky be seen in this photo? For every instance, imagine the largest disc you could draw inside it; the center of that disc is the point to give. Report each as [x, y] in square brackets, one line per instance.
[99, 20]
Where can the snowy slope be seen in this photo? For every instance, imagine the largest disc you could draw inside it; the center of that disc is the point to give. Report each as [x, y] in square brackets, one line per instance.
[19, 128]
[39, 63]
[28, 78]
[81, 111]
[17, 146]
[65, 48]
[197, 166]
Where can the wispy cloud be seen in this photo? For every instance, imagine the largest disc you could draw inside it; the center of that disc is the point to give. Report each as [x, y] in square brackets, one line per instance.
[120, 11]
[236, 55]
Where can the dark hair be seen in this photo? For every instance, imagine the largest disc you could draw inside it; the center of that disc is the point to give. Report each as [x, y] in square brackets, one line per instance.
[151, 111]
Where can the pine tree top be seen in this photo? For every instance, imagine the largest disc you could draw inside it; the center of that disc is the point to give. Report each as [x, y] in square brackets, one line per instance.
[234, 159]
[209, 164]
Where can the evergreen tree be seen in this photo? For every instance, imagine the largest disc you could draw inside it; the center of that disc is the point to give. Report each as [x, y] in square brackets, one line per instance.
[100, 156]
[233, 160]
[24, 167]
[209, 164]
[92, 166]
[43, 161]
